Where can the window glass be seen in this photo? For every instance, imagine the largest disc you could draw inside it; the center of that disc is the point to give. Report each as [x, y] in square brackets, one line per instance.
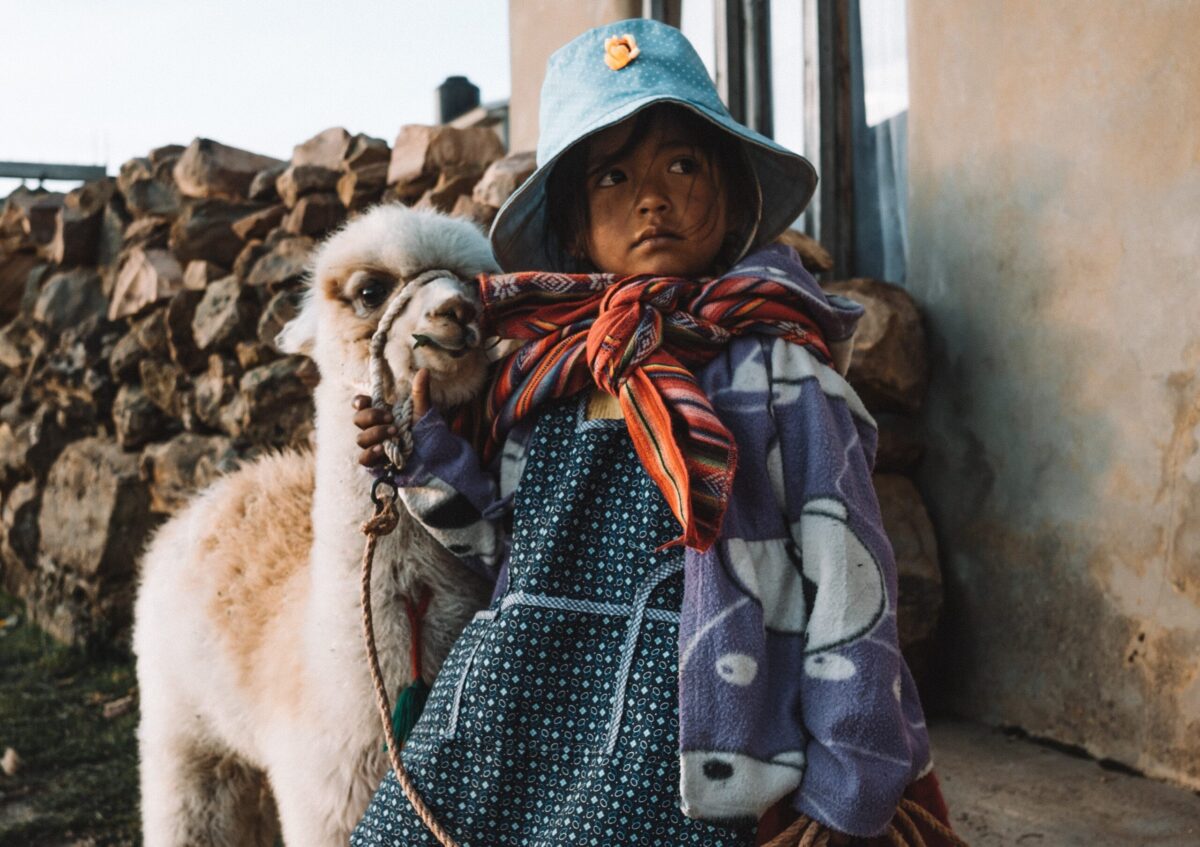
[885, 59]
[696, 20]
[879, 102]
[787, 72]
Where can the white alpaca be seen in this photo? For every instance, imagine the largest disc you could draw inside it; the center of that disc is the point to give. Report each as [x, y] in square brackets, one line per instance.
[247, 629]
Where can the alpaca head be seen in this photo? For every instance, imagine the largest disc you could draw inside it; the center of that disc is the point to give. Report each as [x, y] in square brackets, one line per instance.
[375, 260]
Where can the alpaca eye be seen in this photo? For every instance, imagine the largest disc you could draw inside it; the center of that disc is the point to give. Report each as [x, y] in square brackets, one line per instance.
[372, 293]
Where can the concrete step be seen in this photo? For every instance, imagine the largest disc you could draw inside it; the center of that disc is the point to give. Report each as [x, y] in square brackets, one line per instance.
[1007, 790]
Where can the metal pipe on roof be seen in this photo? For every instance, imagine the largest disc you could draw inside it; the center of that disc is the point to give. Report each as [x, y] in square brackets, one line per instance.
[46, 170]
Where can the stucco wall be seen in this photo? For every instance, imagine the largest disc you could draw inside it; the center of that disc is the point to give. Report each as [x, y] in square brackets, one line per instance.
[536, 28]
[1054, 163]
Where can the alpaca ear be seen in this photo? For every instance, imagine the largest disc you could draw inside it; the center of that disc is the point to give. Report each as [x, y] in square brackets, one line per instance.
[299, 335]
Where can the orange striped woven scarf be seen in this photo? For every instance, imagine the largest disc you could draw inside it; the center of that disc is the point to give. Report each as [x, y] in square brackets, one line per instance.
[639, 338]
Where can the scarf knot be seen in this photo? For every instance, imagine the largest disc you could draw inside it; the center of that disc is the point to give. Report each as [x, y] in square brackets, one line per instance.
[628, 329]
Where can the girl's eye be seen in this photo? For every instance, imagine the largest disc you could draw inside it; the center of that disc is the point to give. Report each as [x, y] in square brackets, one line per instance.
[684, 165]
[372, 293]
[610, 178]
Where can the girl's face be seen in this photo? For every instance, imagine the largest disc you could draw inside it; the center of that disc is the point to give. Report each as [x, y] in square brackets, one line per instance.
[656, 208]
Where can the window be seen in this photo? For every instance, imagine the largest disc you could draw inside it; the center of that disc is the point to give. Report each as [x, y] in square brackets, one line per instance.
[827, 78]
[879, 97]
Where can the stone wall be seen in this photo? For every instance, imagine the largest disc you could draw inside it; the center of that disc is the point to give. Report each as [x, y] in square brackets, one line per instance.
[138, 358]
[137, 355]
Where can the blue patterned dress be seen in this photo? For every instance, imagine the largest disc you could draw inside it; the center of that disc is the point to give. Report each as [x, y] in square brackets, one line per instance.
[554, 720]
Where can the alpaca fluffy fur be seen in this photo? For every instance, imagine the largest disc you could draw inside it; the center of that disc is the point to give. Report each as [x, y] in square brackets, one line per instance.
[254, 685]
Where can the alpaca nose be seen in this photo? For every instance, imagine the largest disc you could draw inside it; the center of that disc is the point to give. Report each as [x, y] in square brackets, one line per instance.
[458, 310]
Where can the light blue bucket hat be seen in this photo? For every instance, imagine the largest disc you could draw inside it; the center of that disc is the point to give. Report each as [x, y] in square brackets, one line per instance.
[583, 95]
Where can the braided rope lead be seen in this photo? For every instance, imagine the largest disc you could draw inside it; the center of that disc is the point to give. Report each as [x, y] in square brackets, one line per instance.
[383, 522]
[916, 809]
[804, 832]
[902, 824]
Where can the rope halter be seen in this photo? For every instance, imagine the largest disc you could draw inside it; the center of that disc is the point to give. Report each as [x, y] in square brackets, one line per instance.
[383, 522]
[397, 449]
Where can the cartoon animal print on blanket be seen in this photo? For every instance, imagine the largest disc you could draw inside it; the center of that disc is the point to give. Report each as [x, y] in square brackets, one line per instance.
[851, 598]
[826, 594]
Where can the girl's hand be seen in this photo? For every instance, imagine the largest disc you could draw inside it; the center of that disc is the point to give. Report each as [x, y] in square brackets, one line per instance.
[420, 394]
[377, 425]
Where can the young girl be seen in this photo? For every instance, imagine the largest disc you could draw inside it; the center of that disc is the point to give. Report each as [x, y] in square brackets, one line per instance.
[694, 615]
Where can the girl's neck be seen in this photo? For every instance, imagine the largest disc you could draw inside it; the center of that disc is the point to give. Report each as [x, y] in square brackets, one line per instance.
[601, 404]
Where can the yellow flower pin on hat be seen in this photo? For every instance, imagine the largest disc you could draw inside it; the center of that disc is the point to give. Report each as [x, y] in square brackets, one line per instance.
[620, 50]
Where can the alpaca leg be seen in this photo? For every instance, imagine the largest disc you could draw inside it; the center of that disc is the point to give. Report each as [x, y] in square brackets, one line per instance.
[301, 814]
[246, 802]
[322, 794]
[167, 791]
[309, 813]
[192, 795]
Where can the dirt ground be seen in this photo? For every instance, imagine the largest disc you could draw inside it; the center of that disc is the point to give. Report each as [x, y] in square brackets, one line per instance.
[77, 784]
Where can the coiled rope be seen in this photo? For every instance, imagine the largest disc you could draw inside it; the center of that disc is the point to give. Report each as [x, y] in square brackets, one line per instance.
[901, 832]
[383, 522]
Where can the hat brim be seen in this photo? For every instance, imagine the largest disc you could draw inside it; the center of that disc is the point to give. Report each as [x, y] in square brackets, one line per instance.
[521, 240]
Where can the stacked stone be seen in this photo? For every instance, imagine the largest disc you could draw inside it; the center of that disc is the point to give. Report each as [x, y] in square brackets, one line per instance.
[890, 371]
[137, 349]
[138, 358]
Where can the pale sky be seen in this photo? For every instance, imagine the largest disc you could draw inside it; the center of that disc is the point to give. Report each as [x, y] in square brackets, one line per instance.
[103, 81]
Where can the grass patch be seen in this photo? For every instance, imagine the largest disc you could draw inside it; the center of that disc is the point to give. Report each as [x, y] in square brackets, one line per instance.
[79, 775]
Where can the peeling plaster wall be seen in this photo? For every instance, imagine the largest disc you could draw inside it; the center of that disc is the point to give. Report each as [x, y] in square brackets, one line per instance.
[1055, 233]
